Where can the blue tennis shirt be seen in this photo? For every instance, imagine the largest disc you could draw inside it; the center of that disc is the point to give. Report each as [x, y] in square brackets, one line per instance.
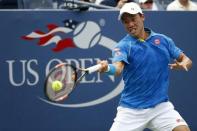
[146, 71]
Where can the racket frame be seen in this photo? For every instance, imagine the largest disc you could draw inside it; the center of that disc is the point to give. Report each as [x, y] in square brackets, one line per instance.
[76, 80]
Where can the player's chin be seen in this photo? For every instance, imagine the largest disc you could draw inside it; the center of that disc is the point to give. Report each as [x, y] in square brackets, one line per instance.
[134, 34]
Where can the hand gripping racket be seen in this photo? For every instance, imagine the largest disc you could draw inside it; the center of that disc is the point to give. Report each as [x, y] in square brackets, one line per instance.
[62, 80]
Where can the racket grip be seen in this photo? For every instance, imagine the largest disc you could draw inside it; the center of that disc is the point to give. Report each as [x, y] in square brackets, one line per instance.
[93, 68]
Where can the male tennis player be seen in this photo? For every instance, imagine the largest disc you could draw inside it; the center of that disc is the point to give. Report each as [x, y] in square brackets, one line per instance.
[143, 58]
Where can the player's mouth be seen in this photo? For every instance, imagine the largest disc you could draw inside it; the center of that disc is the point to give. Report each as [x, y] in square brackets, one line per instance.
[132, 30]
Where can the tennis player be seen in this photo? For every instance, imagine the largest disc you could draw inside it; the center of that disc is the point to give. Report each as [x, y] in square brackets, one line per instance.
[143, 57]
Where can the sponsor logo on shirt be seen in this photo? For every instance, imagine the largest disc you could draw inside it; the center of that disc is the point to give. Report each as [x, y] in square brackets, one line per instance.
[117, 51]
[157, 41]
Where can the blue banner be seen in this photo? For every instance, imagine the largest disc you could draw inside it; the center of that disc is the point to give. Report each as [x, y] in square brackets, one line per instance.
[32, 42]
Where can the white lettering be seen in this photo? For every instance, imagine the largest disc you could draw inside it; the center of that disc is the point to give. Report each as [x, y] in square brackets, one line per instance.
[48, 66]
[20, 76]
[11, 72]
[32, 72]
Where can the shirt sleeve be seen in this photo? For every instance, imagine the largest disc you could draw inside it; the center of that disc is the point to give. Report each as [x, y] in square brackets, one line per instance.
[173, 49]
[120, 53]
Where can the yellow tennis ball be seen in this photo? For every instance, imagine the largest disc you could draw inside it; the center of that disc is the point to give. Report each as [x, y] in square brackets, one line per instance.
[57, 85]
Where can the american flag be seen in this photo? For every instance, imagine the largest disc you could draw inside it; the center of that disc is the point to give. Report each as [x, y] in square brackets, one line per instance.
[52, 36]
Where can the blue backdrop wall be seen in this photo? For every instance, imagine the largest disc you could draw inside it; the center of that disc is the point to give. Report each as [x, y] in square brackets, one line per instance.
[34, 41]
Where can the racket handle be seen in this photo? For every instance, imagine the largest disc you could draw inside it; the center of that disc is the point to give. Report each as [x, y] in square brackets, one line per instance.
[93, 68]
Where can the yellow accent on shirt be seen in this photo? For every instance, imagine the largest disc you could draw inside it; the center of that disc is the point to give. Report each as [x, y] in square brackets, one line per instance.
[141, 40]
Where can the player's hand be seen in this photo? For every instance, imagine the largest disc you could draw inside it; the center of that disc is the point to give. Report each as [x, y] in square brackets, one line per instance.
[179, 65]
[104, 65]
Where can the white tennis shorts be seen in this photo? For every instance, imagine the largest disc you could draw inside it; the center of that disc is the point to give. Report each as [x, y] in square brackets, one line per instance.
[163, 117]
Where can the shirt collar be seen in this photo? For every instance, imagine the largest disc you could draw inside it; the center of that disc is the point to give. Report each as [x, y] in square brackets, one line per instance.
[151, 33]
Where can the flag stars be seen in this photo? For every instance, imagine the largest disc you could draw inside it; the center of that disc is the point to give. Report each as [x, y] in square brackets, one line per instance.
[70, 23]
[66, 24]
[73, 26]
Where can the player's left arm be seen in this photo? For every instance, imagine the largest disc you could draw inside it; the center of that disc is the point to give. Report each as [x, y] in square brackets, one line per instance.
[182, 62]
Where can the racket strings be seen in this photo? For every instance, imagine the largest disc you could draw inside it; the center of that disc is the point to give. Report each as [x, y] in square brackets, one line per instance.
[67, 76]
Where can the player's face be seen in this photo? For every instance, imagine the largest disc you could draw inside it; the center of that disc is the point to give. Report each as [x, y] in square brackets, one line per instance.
[134, 24]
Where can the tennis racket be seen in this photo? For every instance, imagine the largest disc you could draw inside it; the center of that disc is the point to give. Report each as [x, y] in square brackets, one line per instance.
[63, 79]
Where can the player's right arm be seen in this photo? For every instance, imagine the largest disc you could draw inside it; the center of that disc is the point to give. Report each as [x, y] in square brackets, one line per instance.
[119, 67]
[120, 58]
[113, 69]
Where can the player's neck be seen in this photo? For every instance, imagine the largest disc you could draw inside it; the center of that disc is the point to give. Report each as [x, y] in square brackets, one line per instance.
[144, 35]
